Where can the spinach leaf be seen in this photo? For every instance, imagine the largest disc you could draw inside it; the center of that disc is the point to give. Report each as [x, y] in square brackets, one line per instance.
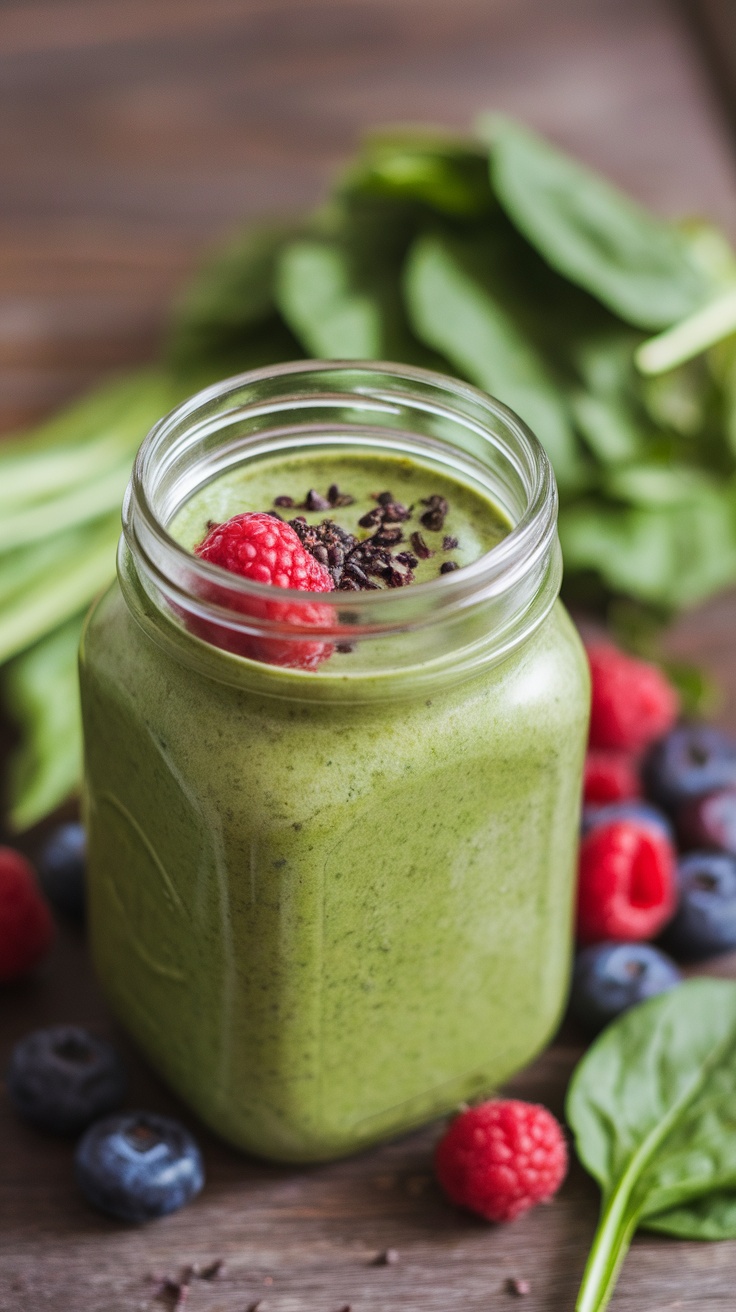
[652, 1105]
[323, 304]
[339, 288]
[232, 296]
[636, 264]
[433, 168]
[452, 307]
[671, 555]
[42, 689]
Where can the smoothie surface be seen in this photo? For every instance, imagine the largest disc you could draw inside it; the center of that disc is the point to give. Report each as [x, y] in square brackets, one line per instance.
[472, 520]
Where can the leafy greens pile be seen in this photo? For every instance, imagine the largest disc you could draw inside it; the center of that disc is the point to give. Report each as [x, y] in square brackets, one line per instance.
[652, 1105]
[496, 258]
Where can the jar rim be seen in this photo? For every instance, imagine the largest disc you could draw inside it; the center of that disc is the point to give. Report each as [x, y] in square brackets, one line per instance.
[384, 610]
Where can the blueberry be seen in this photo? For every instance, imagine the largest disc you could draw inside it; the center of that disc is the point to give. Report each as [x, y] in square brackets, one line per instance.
[644, 811]
[61, 864]
[63, 1078]
[705, 921]
[709, 822]
[138, 1165]
[690, 761]
[611, 977]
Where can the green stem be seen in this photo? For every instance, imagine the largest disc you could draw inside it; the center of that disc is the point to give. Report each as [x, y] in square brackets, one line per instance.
[63, 591]
[89, 501]
[690, 337]
[610, 1246]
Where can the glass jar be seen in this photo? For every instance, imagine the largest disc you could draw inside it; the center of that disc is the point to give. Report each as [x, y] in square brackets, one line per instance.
[331, 904]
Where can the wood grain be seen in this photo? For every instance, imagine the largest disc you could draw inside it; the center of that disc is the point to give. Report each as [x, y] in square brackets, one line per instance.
[133, 133]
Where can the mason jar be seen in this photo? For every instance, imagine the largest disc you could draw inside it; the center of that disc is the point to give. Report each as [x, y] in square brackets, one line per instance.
[331, 903]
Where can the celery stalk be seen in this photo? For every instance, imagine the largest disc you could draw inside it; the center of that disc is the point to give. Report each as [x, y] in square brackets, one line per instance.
[90, 500]
[70, 584]
[42, 689]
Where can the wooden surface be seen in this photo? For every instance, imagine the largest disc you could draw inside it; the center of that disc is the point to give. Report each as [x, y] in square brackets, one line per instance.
[133, 133]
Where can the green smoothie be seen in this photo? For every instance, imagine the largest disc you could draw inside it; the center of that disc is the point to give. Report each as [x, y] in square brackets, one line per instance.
[471, 521]
[330, 906]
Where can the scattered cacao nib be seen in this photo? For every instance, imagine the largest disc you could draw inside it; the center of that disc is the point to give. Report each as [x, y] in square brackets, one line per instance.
[383, 498]
[519, 1287]
[395, 513]
[345, 648]
[434, 516]
[448, 566]
[420, 546]
[389, 1257]
[338, 498]
[371, 518]
[388, 537]
[398, 578]
[285, 502]
[313, 501]
[327, 542]
[449, 544]
[172, 1293]
[354, 565]
[212, 1270]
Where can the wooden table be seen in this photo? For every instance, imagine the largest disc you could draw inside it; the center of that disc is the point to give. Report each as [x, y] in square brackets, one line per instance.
[133, 132]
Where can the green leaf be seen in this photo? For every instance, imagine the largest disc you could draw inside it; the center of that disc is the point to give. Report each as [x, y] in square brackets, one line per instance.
[323, 304]
[670, 556]
[655, 485]
[42, 695]
[89, 500]
[634, 263]
[430, 167]
[339, 289]
[87, 439]
[232, 296]
[83, 565]
[453, 309]
[607, 426]
[652, 1106]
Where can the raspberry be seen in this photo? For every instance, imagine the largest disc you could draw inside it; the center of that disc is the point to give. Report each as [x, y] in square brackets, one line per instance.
[632, 701]
[626, 887]
[261, 547]
[26, 927]
[609, 777]
[501, 1158]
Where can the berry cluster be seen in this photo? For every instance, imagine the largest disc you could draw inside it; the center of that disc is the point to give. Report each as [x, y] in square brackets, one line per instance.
[65, 1080]
[658, 848]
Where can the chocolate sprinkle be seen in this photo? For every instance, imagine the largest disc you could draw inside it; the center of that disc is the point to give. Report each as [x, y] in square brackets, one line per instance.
[449, 544]
[420, 546]
[448, 566]
[434, 516]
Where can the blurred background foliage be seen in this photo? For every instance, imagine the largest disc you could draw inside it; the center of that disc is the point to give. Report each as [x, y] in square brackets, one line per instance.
[494, 257]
